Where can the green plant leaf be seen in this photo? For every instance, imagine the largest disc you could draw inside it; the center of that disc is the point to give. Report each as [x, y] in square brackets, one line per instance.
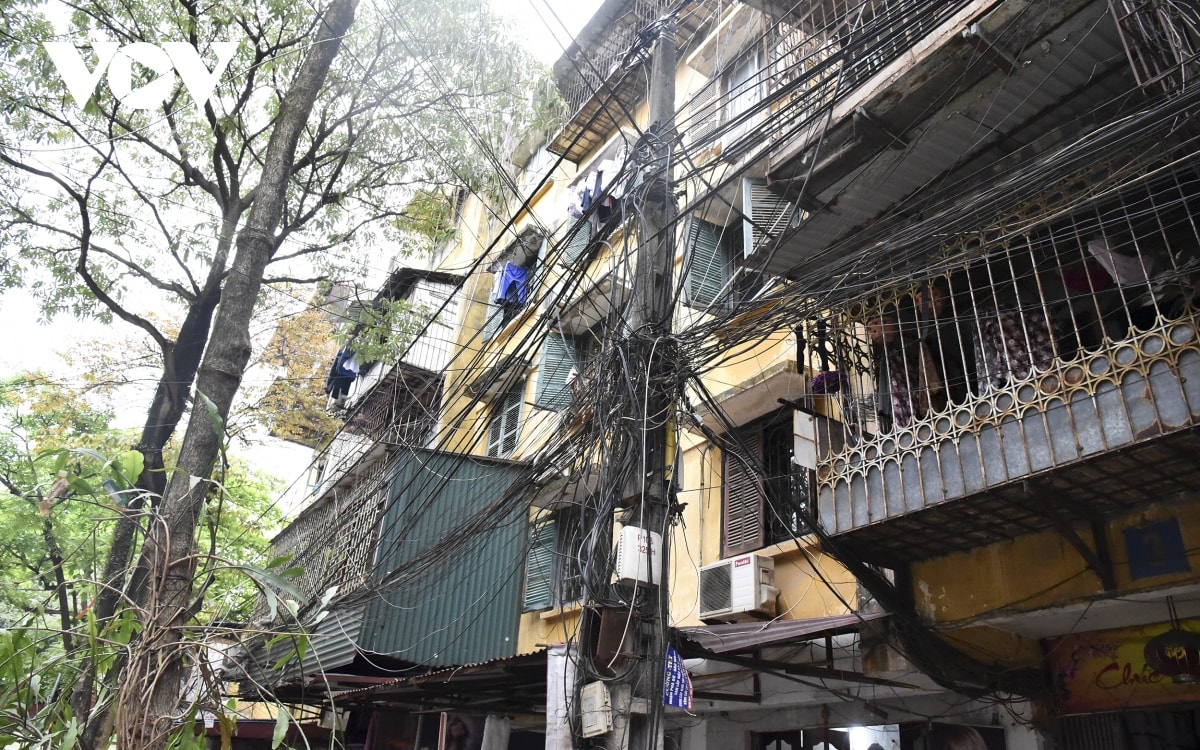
[281, 727]
[128, 467]
[214, 415]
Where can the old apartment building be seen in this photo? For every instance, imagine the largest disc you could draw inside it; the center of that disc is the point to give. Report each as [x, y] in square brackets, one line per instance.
[933, 377]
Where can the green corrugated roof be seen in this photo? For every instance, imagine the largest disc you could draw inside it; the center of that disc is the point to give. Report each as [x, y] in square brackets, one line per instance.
[447, 595]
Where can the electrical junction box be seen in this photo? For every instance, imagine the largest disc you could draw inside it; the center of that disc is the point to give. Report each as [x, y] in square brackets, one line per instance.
[638, 558]
[595, 709]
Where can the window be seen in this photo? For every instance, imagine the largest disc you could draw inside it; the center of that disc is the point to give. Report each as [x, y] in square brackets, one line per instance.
[561, 355]
[707, 260]
[728, 96]
[767, 216]
[829, 739]
[764, 490]
[505, 426]
[553, 573]
[575, 244]
[539, 566]
[743, 86]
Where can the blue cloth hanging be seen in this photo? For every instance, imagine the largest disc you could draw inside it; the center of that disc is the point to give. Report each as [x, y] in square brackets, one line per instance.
[514, 284]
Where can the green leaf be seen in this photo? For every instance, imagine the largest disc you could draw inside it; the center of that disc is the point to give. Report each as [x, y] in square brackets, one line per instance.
[275, 562]
[214, 415]
[281, 727]
[81, 486]
[128, 467]
[71, 734]
[267, 579]
[282, 661]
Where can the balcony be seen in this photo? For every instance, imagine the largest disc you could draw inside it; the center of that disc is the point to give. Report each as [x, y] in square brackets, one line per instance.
[599, 75]
[924, 93]
[354, 515]
[1053, 379]
[593, 306]
[397, 408]
[1025, 457]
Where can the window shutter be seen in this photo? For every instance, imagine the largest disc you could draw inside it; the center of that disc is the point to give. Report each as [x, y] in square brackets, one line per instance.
[708, 263]
[768, 215]
[495, 312]
[577, 243]
[568, 581]
[559, 354]
[705, 113]
[744, 496]
[743, 85]
[505, 426]
[494, 322]
[539, 565]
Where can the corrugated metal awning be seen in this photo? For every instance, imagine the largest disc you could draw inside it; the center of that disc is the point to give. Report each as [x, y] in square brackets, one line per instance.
[515, 684]
[742, 636]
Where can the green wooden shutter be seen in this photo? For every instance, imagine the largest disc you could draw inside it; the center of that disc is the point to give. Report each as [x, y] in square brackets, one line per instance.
[505, 426]
[768, 215]
[743, 516]
[495, 312]
[577, 243]
[494, 321]
[559, 354]
[708, 262]
[539, 565]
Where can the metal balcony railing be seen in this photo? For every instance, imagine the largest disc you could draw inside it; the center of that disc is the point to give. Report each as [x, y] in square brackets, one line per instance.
[595, 63]
[1061, 367]
[351, 518]
[822, 51]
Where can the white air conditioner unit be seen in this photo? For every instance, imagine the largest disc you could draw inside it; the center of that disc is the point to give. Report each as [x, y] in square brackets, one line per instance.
[740, 588]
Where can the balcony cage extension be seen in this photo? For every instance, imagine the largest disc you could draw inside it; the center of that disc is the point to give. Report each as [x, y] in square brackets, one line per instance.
[1068, 338]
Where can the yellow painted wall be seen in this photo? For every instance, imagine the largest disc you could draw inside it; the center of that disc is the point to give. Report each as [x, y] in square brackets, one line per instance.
[696, 541]
[1042, 570]
[998, 647]
[549, 627]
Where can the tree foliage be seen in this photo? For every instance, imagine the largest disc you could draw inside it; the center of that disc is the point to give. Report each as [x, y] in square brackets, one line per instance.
[292, 406]
[65, 479]
[120, 212]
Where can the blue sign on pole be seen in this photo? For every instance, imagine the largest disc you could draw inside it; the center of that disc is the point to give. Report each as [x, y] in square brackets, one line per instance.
[677, 683]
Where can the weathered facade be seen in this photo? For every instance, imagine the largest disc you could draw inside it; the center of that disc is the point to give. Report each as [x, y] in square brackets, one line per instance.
[936, 384]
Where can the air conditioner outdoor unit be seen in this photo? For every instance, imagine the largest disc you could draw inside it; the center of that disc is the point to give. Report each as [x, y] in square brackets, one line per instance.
[740, 588]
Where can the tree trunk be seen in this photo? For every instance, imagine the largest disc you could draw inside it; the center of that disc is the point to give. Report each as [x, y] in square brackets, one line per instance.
[150, 691]
[180, 364]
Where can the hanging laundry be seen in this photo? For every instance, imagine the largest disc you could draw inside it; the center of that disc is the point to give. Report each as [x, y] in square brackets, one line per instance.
[340, 378]
[1013, 344]
[575, 207]
[1125, 269]
[513, 287]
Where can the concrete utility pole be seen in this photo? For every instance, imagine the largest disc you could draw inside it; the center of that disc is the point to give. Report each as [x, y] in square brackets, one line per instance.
[638, 700]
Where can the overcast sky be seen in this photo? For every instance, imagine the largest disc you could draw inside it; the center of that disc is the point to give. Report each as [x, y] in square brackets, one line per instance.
[549, 25]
